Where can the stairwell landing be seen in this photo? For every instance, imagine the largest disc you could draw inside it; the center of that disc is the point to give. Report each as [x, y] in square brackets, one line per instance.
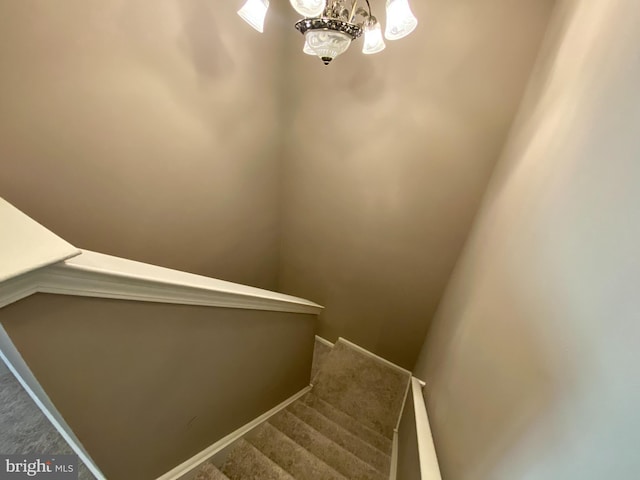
[342, 429]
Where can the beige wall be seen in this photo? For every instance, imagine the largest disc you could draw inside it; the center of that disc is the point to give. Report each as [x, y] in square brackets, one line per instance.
[532, 362]
[157, 134]
[148, 131]
[387, 157]
[146, 386]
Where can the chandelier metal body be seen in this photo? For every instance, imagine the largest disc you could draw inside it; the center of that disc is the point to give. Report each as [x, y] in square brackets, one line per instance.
[330, 26]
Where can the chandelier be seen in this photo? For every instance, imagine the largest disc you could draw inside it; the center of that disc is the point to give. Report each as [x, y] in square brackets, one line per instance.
[329, 26]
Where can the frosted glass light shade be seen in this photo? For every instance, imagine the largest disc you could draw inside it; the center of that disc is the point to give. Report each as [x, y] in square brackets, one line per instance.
[253, 12]
[309, 8]
[307, 48]
[400, 20]
[327, 44]
[373, 41]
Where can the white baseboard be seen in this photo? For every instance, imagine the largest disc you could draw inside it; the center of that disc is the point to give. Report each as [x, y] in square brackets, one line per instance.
[199, 458]
[393, 473]
[429, 468]
[324, 341]
[373, 355]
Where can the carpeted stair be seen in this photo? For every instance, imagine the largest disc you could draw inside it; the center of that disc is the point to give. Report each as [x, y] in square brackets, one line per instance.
[341, 430]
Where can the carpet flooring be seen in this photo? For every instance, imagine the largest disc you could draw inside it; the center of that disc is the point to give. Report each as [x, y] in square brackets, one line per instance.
[342, 429]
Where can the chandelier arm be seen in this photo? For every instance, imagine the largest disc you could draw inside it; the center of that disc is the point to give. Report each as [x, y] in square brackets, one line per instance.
[369, 7]
[353, 10]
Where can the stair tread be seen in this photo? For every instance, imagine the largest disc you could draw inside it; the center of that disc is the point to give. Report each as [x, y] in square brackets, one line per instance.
[325, 449]
[362, 386]
[296, 460]
[245, 462]
[208, 471]
[341, 436]
[349, 423]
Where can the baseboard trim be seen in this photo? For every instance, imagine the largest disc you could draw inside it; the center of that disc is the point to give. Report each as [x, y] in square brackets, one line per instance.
[429, 468]
[373, 355]
[324, 341]
[393, 473]
[199, 458]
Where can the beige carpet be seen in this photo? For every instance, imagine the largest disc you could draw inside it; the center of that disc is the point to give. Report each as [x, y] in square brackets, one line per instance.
[341, 430]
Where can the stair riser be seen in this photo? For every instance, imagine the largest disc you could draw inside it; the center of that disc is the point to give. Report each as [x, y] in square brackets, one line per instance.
[329, 452]
[342, 437]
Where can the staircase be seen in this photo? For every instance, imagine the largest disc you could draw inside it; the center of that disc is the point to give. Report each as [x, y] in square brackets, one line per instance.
[342, 429]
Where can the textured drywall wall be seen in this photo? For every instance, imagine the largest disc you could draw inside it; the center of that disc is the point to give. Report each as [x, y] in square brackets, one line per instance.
[532, 361]
[147, 131]
[145, 386]
[387, 157]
